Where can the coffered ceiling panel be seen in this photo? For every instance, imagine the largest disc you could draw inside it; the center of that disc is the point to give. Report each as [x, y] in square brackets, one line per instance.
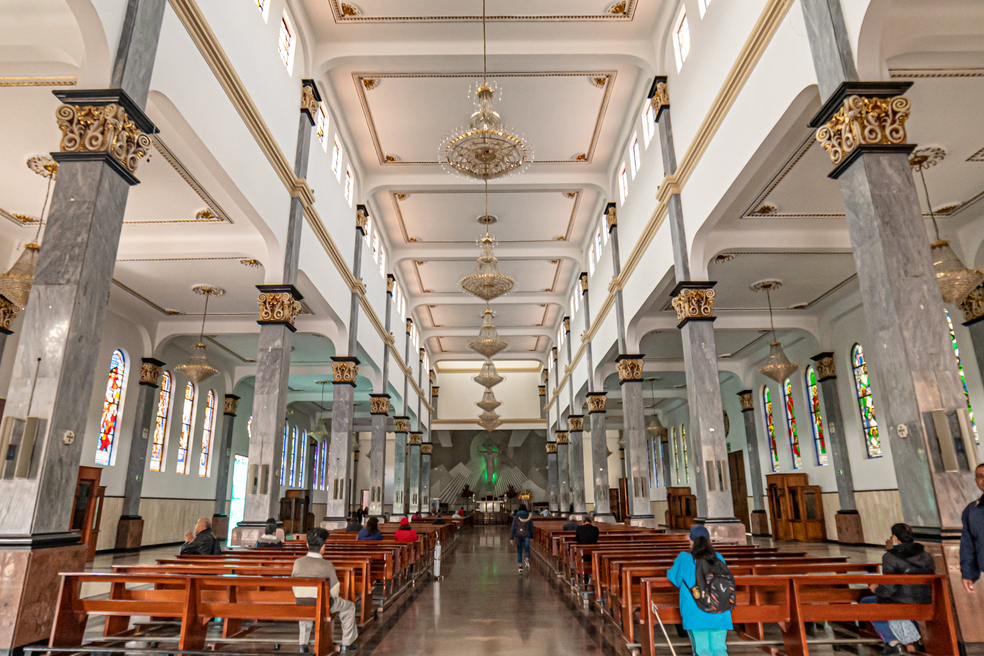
[529, 103]
[517, 344]
[668, 344]
[444, 276]
[524, 215]
[305, 349]
[401, 11]
[530, 314]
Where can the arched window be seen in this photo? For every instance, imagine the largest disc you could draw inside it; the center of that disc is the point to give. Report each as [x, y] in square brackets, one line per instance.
[770, 427]
[676, 454]
[686, 456]
[249, 427]
[112, 408]
[963, 379]
[205, 462]
[159, 448]
[813, 395]
[794, 442]
[304, 460]
[315, 473]
[294, 452]
[283, 458]
[866, 403]
[187, 426]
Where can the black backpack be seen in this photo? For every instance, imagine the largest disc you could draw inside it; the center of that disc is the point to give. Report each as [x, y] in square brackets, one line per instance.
[523, 527]
[714, 589]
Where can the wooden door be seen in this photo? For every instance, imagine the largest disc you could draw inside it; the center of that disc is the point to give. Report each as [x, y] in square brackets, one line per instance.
[739, 489]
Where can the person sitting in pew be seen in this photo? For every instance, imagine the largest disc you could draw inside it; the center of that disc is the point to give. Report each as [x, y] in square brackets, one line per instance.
[355, 523]
[708, 631]
[545, 512]
[270, 537]
[461, 512]
[416, 516]
[586, 533]
[905, 557]
[439, 521]
[570, 525]
[201, 542]
[314, 566]
[371, 530]
[404, 533]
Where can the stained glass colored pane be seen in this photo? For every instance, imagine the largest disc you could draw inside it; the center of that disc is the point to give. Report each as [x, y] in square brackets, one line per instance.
[686, 455]
[794, 443]
[770, 428]
[315, 472]
[207, 432]
[662, 462]
[304, 460]
[283, 458]
[109, 424]
[866, 403]
[294, 453]
[675, 445]
[187, 423]
[159, 447]
[813, 392]
[963, 379]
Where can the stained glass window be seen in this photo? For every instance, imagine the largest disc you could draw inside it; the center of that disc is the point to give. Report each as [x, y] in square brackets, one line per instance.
[187, 425]
[652, 464]
[304, 460]
[112, 405]
[321, 124]
[295, 449]
[963, 379]
[813, 393]
[866, 403]
[623, 184]
[634, 156]
[336, 158]
[648, 122]
[349, 184]
[283, 458]
[286, 43]
[686, 455]
[208, 430]
[249, 427]
[770, 427]
[676, 454]
[681, 39]
[794, 443]
[662, 461]
[159, 448]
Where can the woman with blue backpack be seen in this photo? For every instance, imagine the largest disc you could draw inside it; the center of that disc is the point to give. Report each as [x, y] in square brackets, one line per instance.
[520, 534]
[707, 594]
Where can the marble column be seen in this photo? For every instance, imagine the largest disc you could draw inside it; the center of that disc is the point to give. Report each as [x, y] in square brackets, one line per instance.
[922, 410]
[758, 517]
[345, 371]
[55, 363]
[848, 521]
[279, 305]
[634, 435]
[599, 456]
[427, 449]
[415, 441]
[220, 520]
[611, 218]
[379, 406]
[564, 471]
[553, 483]
[129, 531]
[694, 305]
[402, 426]
[576, 425]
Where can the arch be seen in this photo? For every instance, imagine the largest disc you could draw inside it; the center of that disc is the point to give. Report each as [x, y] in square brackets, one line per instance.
[165, 399]
[187, 428]
[208, 433]
[866, 402]
[770, 427]
[109, 425]
[816, 419]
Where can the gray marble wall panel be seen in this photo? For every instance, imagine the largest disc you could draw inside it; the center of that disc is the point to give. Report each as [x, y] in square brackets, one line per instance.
[837, 438]
[400, 474]
[599, 461]
[340, 454]
[377, 464]
[754, 459]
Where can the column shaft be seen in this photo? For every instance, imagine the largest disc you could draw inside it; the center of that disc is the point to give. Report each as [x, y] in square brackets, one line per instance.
[576, 425]
[400, 466]
[564, 470]
[599, 455]
[758, 517]
[553, 481]
[340, 454]
[416, 440]
[150, 376]
[634, 435]
[377, 452]
[224, 456]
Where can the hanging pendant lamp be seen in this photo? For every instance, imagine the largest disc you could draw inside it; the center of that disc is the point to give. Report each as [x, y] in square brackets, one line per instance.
[488, 342]
[16, 284]
[487, 282]
[655, 427]
[489, 421]
[198, 368]
[955, 280]
[488, 376]
[488, 402]
[322, 435]
[777, 367]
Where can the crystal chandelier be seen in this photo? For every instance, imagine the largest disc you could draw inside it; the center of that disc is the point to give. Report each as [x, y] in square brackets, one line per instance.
[655, 427]
[198, 368]
[485, 149]
[322, 435]
[488, 342]
[489, 420]
[777, 367]
[488, 377]
[488, 402]
[487, 282]
[15, 285]
[955, 280]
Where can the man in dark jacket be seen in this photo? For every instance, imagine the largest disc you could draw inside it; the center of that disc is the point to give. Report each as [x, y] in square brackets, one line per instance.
[972, 537]
[520, 534]
[570, 525]
[586, 533]
[201, 542]
[905, 557]
[355, 524]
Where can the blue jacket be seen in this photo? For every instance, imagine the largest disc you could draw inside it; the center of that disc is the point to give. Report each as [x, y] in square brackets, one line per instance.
[364, 535]
[972, 541]
[683, 575]
[526, 518]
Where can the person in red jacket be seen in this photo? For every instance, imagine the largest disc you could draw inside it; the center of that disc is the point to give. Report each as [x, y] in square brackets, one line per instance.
[404, 533]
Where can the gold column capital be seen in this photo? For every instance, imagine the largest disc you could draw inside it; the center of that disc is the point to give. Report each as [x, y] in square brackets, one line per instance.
[567, 324]
[390, 283]
[344, 370]
[597, 402]
[611, 216]
[824, 365]
[693, 301]
[231, 405]
[279, 304]
[575, 423]
[415, 439]
[426, 449]
[310, 101]
[551, 448]
[401, 424]
[434, 391]
[629, 368]
[361, 218]
[661, 96]
[8, 312]
[541, 390]
[150, 372]
[105, 122]
[563, 437]
[972, 306]
[379, 404]
[584, 282]
[746, 401]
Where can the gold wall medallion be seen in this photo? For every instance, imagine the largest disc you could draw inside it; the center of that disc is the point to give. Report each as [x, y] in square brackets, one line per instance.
[150, 374]
[597, 402]
[344, 372]
[862, 122]
[278, 307]
[694, 304]
[629, 369]
[102, 128]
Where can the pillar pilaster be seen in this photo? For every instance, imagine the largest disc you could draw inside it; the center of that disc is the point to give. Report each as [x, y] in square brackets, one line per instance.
[345, 372]
[220, 520]
[428, 448]
[564, 470]
[758, 517]
[414, 443]
[597, 403]
[553, 481]
[400, 500]
[379, 406]
[636, 457]
[8, 312]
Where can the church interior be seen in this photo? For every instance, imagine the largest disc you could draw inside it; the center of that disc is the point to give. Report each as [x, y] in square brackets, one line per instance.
[661, 266]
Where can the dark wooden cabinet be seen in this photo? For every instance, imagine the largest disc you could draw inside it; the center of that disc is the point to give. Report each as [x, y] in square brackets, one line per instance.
[682, 507]
[87, 508]
[739, 489]
[295, 512]
[796, 508]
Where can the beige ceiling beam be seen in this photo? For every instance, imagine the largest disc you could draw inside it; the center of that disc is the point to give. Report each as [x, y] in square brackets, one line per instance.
[556, 250]
[751, 52]
[461, 298]
[208, 44]
[472, 331]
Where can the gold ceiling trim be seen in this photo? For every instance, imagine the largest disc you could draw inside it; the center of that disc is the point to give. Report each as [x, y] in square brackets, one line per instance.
[626, 16]
[381, 153]
[220, 345]
[18, 219]
[395, 199]
[39, 81]
[448, 422]
[532, 369]
[218, 214]
[181, 259]
[762, 200]
[977, 157]
[143, 298]
[935, 72]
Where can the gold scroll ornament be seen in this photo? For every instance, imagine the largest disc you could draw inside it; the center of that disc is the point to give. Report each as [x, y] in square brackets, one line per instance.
[103, 128]
[863, 122]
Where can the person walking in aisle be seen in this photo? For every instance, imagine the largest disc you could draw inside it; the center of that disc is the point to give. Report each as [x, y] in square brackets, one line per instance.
[708, 631]
[520, 534]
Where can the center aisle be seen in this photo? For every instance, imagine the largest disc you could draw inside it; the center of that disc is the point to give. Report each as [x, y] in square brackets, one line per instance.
[485, 606]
